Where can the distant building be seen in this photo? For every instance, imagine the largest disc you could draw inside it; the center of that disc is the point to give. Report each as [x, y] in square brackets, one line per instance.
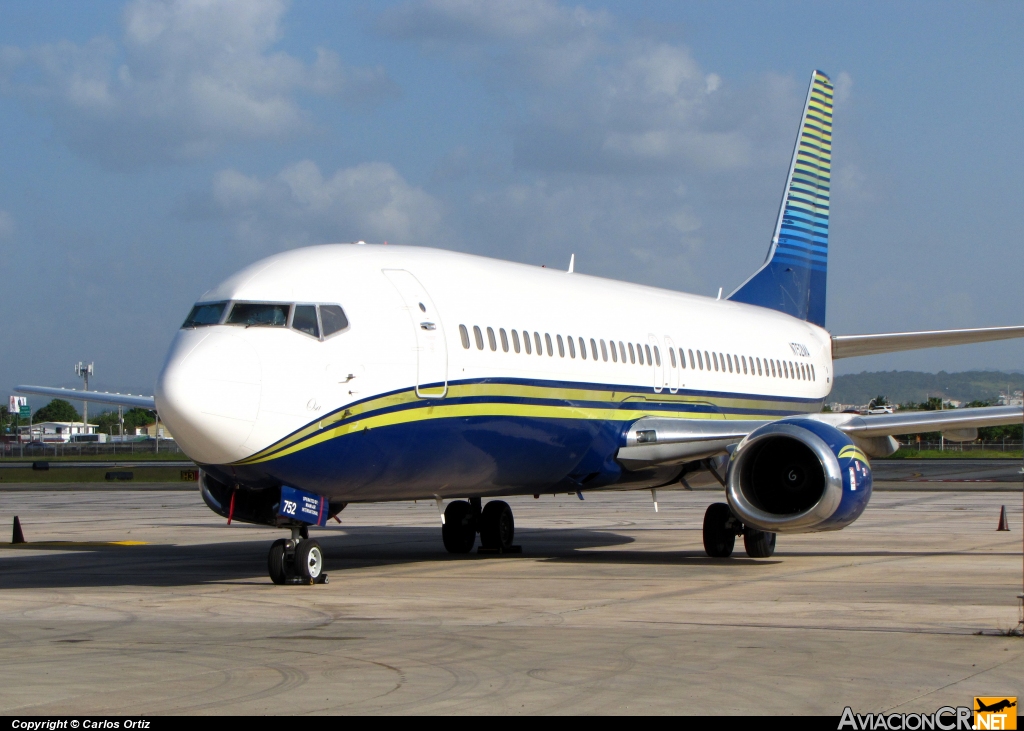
[151, 431]
[1016, 399]
[58, 432]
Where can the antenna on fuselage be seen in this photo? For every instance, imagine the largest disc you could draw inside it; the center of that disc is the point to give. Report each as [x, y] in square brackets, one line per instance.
[572, 263]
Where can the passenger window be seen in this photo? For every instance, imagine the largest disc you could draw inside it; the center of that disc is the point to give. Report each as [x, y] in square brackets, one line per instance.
[814, 376]
[759, 366]
[537, 342]
[647, 352]
[632, 357]
[332, 319]
[715, 356]
[464, 334]
[729, 360]
[774, 374]
[561, 346]
[593, 349]
[743, 358]
[490, 339]
[691, 357]
[526, 342]
[205, 314]
[572, 346]
[304, 320]
[672, 356]
[547, 339]
[479, 337]
[615, 352]
[583, 349]
[604, 352]
[515, 341]
[657, 356]
[700, 361]
[622, 351]
[258, 315]
[639, 354]
[504, 339]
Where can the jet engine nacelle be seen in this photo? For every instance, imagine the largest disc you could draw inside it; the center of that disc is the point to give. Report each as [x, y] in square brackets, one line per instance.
[798, 476]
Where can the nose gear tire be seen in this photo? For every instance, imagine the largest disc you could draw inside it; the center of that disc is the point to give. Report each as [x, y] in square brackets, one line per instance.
[277, 562]
[309, 561]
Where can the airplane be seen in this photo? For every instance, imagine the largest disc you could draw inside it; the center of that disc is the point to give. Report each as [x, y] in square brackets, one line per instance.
[995, 707]
[350, 373]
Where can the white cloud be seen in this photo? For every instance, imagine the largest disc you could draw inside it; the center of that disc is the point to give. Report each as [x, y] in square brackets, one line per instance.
[533, 41]
[299, 206]
[188, 76]
[6, 225]
[586, 95]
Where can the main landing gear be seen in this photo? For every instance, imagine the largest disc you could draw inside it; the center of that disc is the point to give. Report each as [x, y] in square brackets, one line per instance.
[721, 528]
[463, 519]
[296, 560]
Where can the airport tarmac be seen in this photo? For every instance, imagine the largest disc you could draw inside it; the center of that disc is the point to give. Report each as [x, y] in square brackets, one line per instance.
[611, 608]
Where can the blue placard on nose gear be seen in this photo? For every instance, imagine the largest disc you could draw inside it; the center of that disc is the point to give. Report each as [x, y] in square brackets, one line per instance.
[302, 506]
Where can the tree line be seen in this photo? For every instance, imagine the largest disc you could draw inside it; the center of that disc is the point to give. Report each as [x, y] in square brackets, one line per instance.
[106, 422]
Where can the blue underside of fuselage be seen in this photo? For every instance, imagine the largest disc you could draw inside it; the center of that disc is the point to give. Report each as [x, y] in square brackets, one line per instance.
[478, 455]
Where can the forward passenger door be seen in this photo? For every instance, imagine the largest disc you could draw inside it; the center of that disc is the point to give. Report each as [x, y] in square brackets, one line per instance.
[431, 349]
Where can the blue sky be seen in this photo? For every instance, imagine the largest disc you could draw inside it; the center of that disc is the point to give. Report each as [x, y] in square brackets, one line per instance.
[148, 149]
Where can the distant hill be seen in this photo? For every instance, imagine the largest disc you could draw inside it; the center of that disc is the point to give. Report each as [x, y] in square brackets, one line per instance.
[903, 386]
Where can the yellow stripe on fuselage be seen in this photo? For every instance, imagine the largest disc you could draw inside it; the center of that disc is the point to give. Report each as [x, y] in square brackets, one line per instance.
[322, 430]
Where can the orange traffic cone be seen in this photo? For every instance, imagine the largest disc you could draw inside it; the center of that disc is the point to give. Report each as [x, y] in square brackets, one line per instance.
[1002, 520]
[18, 536]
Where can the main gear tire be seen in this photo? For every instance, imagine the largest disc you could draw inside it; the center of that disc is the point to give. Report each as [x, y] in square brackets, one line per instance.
[719, 534]
[758, 543]
[459, 529]
[497, 526]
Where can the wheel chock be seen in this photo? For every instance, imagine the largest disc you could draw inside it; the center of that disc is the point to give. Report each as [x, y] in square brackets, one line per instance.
[498, 551]
[1003, 525]
[18, 536]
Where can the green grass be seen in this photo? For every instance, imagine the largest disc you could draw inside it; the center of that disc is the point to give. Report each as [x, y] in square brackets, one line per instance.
[88, 474]
[912, 453]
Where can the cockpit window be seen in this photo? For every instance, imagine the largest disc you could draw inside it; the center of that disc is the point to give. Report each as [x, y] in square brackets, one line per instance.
[205, 313]
[333, 319]
[258, 314]
[304, 320]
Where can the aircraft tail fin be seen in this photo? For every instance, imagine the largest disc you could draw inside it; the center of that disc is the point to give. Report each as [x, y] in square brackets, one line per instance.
[793, 277]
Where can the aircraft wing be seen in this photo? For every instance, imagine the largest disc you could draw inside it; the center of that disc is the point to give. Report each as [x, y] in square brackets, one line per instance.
[848, 346]
[93, 397]
[660, 441]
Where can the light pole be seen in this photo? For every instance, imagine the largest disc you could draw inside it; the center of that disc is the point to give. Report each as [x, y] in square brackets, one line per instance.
[83, 371]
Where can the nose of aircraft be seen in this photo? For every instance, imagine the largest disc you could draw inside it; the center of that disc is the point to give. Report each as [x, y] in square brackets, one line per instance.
[208, 393]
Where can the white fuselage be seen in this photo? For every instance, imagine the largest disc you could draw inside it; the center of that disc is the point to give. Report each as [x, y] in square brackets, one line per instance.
[229, 393]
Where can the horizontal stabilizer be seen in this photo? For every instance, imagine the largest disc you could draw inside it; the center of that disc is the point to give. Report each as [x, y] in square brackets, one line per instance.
[93, 397]
[849, 346]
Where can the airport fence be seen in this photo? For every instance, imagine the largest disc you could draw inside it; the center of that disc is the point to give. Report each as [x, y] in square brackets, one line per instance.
[1000, 445]
[71, 449]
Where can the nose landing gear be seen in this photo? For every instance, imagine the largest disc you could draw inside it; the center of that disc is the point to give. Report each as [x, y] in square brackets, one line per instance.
[298, 560]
